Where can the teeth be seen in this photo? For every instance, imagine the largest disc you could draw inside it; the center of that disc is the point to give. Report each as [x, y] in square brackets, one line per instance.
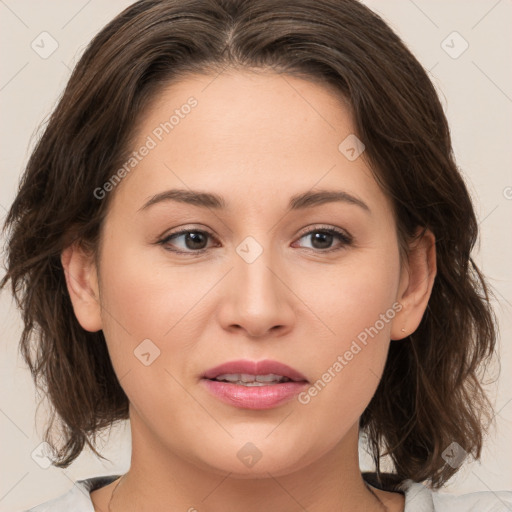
[252, 380]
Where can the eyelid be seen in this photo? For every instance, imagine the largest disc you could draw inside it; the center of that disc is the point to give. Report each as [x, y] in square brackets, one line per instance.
[326, 227]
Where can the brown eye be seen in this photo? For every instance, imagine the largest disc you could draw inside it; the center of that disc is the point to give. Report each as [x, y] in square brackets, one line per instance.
[323, 238]
[191, 241]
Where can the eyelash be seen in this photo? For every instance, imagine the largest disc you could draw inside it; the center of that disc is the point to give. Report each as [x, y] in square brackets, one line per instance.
[344, 237]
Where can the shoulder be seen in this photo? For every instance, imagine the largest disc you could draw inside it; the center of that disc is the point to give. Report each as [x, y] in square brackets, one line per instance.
[77, 498]
[419, 498]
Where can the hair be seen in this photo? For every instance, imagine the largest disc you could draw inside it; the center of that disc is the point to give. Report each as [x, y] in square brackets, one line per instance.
[430, 394]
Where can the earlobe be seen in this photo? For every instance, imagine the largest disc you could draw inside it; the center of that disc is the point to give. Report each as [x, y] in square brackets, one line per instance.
[416, 283]
[82, 284]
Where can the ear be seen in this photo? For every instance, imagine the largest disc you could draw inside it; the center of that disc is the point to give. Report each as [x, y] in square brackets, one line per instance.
[82, 283]
[416, 283]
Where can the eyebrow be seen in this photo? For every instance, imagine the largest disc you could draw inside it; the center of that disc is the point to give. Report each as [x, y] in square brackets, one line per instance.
[302, 201]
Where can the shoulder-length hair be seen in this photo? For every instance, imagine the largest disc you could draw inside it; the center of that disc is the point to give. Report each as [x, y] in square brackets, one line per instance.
[430, 394]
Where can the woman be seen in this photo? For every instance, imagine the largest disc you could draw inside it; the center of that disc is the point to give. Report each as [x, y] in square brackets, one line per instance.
[241, 230]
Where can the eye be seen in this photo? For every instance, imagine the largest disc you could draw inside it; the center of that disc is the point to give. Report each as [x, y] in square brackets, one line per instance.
[322, 238]
[194, 241]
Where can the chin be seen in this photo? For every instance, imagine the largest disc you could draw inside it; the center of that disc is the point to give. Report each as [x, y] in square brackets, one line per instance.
[248, 461]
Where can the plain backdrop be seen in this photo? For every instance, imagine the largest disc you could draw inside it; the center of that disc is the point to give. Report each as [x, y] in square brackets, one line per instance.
[470, 69]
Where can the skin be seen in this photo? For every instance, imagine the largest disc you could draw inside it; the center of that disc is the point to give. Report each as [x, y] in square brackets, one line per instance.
[256, 139]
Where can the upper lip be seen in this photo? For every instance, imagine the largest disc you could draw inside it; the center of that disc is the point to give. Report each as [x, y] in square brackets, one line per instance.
[263, 367]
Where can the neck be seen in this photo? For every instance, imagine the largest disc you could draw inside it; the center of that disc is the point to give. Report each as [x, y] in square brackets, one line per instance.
[161, 479]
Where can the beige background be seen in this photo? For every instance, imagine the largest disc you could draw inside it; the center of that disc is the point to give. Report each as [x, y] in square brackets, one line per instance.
[476, 91]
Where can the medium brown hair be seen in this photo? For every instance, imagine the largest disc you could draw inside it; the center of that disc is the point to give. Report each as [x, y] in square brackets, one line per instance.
[430, 393]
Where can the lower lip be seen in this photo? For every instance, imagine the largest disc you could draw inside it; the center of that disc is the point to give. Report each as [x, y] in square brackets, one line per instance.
[254, 397]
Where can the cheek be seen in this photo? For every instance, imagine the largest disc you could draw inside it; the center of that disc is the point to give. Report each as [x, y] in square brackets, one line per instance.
[142, 297]
[152, 312]
[350, 296]
[144, 309]
[357, 303]
[136, 307]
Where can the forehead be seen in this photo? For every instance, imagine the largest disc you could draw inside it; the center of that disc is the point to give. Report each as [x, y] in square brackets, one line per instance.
[252, 112]
[247, 135]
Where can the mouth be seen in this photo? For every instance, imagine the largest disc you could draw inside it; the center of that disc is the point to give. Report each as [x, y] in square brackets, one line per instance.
[246, 379]
[254, 385]
[254, 373]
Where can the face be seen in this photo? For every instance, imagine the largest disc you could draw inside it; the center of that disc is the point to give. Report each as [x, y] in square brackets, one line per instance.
[316, 285]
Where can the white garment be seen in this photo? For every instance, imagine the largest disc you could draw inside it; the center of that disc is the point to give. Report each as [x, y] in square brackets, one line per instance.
[418, 498]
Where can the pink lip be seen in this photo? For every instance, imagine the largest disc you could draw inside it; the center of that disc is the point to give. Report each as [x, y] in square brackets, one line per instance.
[255, 397]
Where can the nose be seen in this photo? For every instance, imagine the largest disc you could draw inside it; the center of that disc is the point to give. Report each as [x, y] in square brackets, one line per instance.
[256, 298]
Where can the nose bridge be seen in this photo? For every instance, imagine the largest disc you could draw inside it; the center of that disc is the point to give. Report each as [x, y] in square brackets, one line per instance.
[254, 278]
[258, 300]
